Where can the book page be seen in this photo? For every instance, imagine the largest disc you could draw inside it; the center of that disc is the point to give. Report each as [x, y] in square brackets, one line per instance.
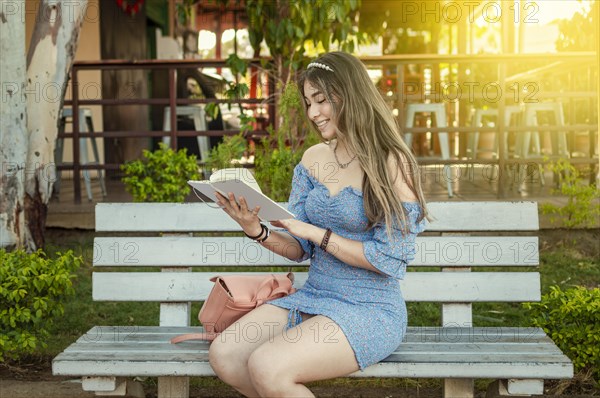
[205, 188]
[238, 173]
[269, 209]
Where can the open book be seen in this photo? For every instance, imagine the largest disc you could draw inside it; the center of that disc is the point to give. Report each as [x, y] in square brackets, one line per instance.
[241, 182]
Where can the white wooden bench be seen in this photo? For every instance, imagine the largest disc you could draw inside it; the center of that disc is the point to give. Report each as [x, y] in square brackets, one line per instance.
[463, 236]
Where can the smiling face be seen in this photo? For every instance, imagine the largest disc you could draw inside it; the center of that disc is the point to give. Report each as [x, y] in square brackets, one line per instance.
[319, 111]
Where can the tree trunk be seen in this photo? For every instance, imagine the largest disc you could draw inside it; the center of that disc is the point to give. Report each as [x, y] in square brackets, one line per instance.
[51, 53]
[13, 134]
[123, 36]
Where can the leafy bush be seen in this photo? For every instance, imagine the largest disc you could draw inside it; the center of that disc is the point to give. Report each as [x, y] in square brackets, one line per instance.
[279, 153]
[572, 319]
[161, 176]
[32, 290]
[232, 147]
[583, 206]
[275, 167]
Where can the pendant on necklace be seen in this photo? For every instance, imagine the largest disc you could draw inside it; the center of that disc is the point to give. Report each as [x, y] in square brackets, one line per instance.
[342, 165]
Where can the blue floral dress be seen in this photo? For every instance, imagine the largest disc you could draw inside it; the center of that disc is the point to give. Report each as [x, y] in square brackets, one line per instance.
[367, 306]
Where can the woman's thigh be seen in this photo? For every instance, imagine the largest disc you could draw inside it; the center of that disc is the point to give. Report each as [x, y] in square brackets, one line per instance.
[255, 328]
[316, 349]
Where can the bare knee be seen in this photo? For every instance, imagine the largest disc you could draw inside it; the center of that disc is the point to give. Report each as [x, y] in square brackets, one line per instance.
[268, 378]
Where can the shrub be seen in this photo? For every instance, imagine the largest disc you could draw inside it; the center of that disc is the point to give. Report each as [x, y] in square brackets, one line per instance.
[279, 153]
[275, 167]
[32, 290]
[232, 147]
[161, 176]
[583, 207]
[572, 319]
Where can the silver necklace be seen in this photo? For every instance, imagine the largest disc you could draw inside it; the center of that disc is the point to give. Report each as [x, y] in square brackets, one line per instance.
[342, 165]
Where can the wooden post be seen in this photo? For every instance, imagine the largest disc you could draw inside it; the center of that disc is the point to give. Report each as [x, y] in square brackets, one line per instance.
[171, 18]
[120, 38]
[173, 387]
[174, 314]
[457, 315]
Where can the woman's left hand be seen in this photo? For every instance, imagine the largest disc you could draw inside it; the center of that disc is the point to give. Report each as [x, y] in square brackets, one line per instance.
[297, 228]
[246, 218]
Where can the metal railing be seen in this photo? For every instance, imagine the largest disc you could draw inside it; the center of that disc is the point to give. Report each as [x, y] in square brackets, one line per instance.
[172, 101]
[557, 62]
[463, 104]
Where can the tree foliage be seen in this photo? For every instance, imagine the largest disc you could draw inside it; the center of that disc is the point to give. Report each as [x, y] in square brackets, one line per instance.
[289, 28]
[579, 32]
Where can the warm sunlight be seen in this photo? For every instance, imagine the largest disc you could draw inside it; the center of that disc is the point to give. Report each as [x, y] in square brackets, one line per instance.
[207, 40]
[546, 11]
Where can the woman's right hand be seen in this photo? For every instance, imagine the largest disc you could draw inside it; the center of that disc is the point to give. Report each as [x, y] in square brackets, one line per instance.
[246, 218]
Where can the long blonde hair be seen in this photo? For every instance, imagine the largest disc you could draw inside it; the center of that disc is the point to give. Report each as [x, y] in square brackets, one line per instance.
[368, 128]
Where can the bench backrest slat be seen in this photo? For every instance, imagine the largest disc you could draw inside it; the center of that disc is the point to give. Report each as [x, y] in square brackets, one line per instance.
[417, 286]
[462, 235]
[238, 251]
[197, 217]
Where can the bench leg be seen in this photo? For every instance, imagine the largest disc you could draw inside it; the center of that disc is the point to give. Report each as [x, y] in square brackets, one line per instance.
[458, 388]
[174, 387]
[515, 388]
[113, 387]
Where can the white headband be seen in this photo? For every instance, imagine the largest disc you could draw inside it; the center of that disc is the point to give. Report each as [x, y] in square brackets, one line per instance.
[319, 65]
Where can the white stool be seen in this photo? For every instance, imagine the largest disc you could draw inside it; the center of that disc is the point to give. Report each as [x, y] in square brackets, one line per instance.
[558, 138]
[477, 121]
[197, 114]
[86, 125]
[439, 110]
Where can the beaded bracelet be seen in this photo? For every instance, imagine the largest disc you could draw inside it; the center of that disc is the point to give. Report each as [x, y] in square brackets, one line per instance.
[325, 240]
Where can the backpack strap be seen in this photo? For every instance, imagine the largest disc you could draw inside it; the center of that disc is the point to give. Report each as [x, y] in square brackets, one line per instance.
[194, 336]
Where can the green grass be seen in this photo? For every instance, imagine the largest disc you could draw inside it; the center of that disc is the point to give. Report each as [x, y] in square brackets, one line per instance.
[560, 265]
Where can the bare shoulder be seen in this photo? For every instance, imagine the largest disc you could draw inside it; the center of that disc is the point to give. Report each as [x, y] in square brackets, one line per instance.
[401, 185]
[315, 153]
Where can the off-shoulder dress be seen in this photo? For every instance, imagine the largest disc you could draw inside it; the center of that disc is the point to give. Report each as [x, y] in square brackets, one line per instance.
[367, 306]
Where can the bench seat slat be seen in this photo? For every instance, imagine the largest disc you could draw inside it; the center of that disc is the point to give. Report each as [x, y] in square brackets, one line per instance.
[198, 351]
[447, 287]
[415, 349]
[424, 335]
[520, 332]
[540, 359]
[188, 217]
[190, 352]
[238, 251]
[434, 369]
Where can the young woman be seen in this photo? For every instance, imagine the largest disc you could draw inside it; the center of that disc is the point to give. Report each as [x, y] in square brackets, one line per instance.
[359, 205]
